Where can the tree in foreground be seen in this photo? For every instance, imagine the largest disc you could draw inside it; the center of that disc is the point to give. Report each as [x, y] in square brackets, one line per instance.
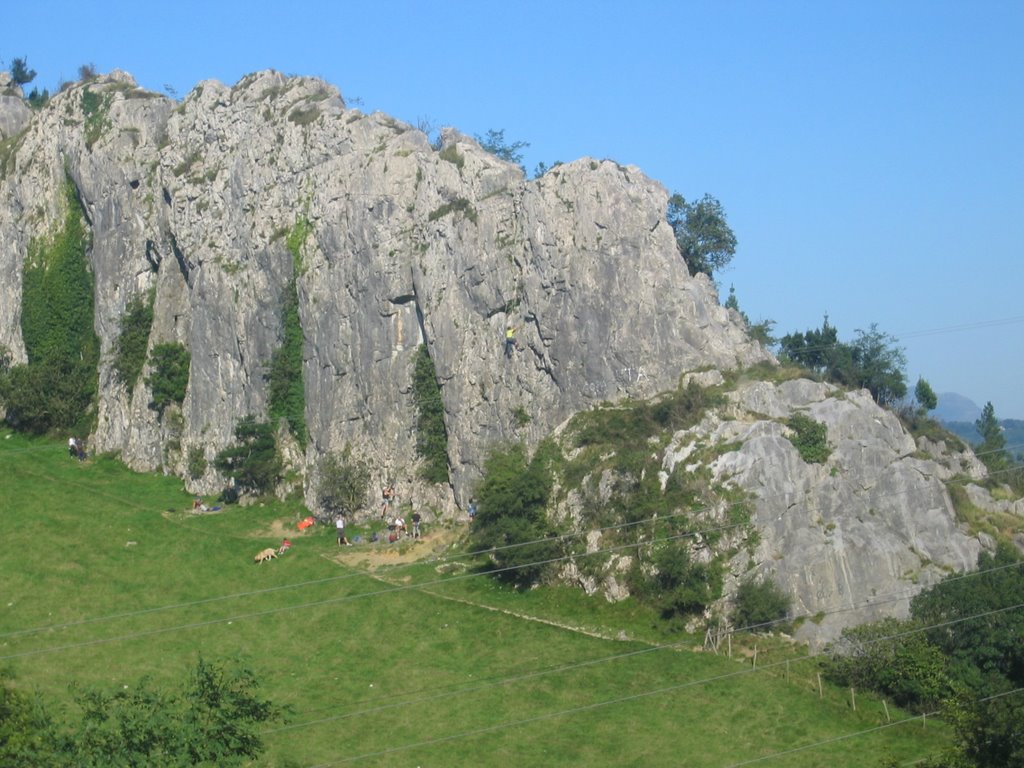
[705, 240]
[214, 720]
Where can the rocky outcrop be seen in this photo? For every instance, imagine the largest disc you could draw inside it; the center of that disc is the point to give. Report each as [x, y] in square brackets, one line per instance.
[849, 539]
[407, 244]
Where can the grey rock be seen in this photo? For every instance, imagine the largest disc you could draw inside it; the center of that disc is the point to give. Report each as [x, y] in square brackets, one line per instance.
[408, 245]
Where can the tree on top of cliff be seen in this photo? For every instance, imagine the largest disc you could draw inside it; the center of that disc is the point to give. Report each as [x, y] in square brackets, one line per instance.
[702, 233]
[20, 73]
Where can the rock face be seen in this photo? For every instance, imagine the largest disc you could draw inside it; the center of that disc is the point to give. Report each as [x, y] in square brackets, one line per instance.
[221, 203]
[849, 539]
[408, 244]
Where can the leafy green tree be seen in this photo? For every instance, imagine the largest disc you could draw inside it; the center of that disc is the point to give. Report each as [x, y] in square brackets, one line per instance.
[925, 396]
[495, 143]
[252, 460]
[20, 73]
[988, 732]
[511, 521]
[819, 350]
[287, 389]
[986, 655]
[342, 485]
[27, 732]
[169, 365]
[879, 365]
[705, 240]
[57, 387]
[760, 605]
[431, 433]
[37, 99]
[214, 720]
[894, 658]
[872, 361]
[222, 715]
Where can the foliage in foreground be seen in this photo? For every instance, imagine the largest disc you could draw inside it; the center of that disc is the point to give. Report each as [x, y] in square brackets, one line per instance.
[961, 650]
[213, 720]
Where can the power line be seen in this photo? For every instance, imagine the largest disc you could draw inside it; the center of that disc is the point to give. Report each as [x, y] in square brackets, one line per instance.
[894, 597]
[864, 732]
[357, 574]
[618, 700]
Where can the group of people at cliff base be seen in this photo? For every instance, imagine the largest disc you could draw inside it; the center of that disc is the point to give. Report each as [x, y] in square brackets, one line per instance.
[76, 448]
[397, 529]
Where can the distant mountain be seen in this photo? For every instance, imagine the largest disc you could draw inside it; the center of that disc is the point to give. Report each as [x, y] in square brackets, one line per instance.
[955, 407]
[1013, 431]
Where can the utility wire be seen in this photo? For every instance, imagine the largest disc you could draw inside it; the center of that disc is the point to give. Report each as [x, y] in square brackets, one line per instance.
[377, 707]
[621, 699]
[864, 732]
[358, 574]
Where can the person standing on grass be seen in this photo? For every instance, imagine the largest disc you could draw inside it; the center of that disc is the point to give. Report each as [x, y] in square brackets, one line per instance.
[416, 518]
[339, 523]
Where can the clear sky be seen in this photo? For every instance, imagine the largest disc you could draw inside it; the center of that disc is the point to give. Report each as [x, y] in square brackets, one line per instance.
[869, 154]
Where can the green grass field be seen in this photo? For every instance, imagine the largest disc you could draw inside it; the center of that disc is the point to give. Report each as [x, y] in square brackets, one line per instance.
[107, 578]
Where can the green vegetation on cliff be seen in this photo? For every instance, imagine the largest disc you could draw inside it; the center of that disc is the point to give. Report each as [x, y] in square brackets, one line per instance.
[431, 433]
[57, 388]
[287, 395]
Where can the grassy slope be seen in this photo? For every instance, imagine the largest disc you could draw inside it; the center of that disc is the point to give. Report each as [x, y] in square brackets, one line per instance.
[379, 673]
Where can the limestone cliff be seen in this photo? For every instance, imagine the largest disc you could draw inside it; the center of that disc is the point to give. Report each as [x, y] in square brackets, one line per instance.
[408, 244]
[221, 203]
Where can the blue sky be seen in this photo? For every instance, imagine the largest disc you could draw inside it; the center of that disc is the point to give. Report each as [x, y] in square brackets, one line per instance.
[870, 155]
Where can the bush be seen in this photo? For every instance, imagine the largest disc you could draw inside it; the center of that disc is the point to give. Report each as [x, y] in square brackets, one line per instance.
[196, 463]
[893, 659]
[253, 460]
[759, 605]
[169, 364]
[511, 518]
[811, 438]
[431, 434]
[343, 483]
[678, 585]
